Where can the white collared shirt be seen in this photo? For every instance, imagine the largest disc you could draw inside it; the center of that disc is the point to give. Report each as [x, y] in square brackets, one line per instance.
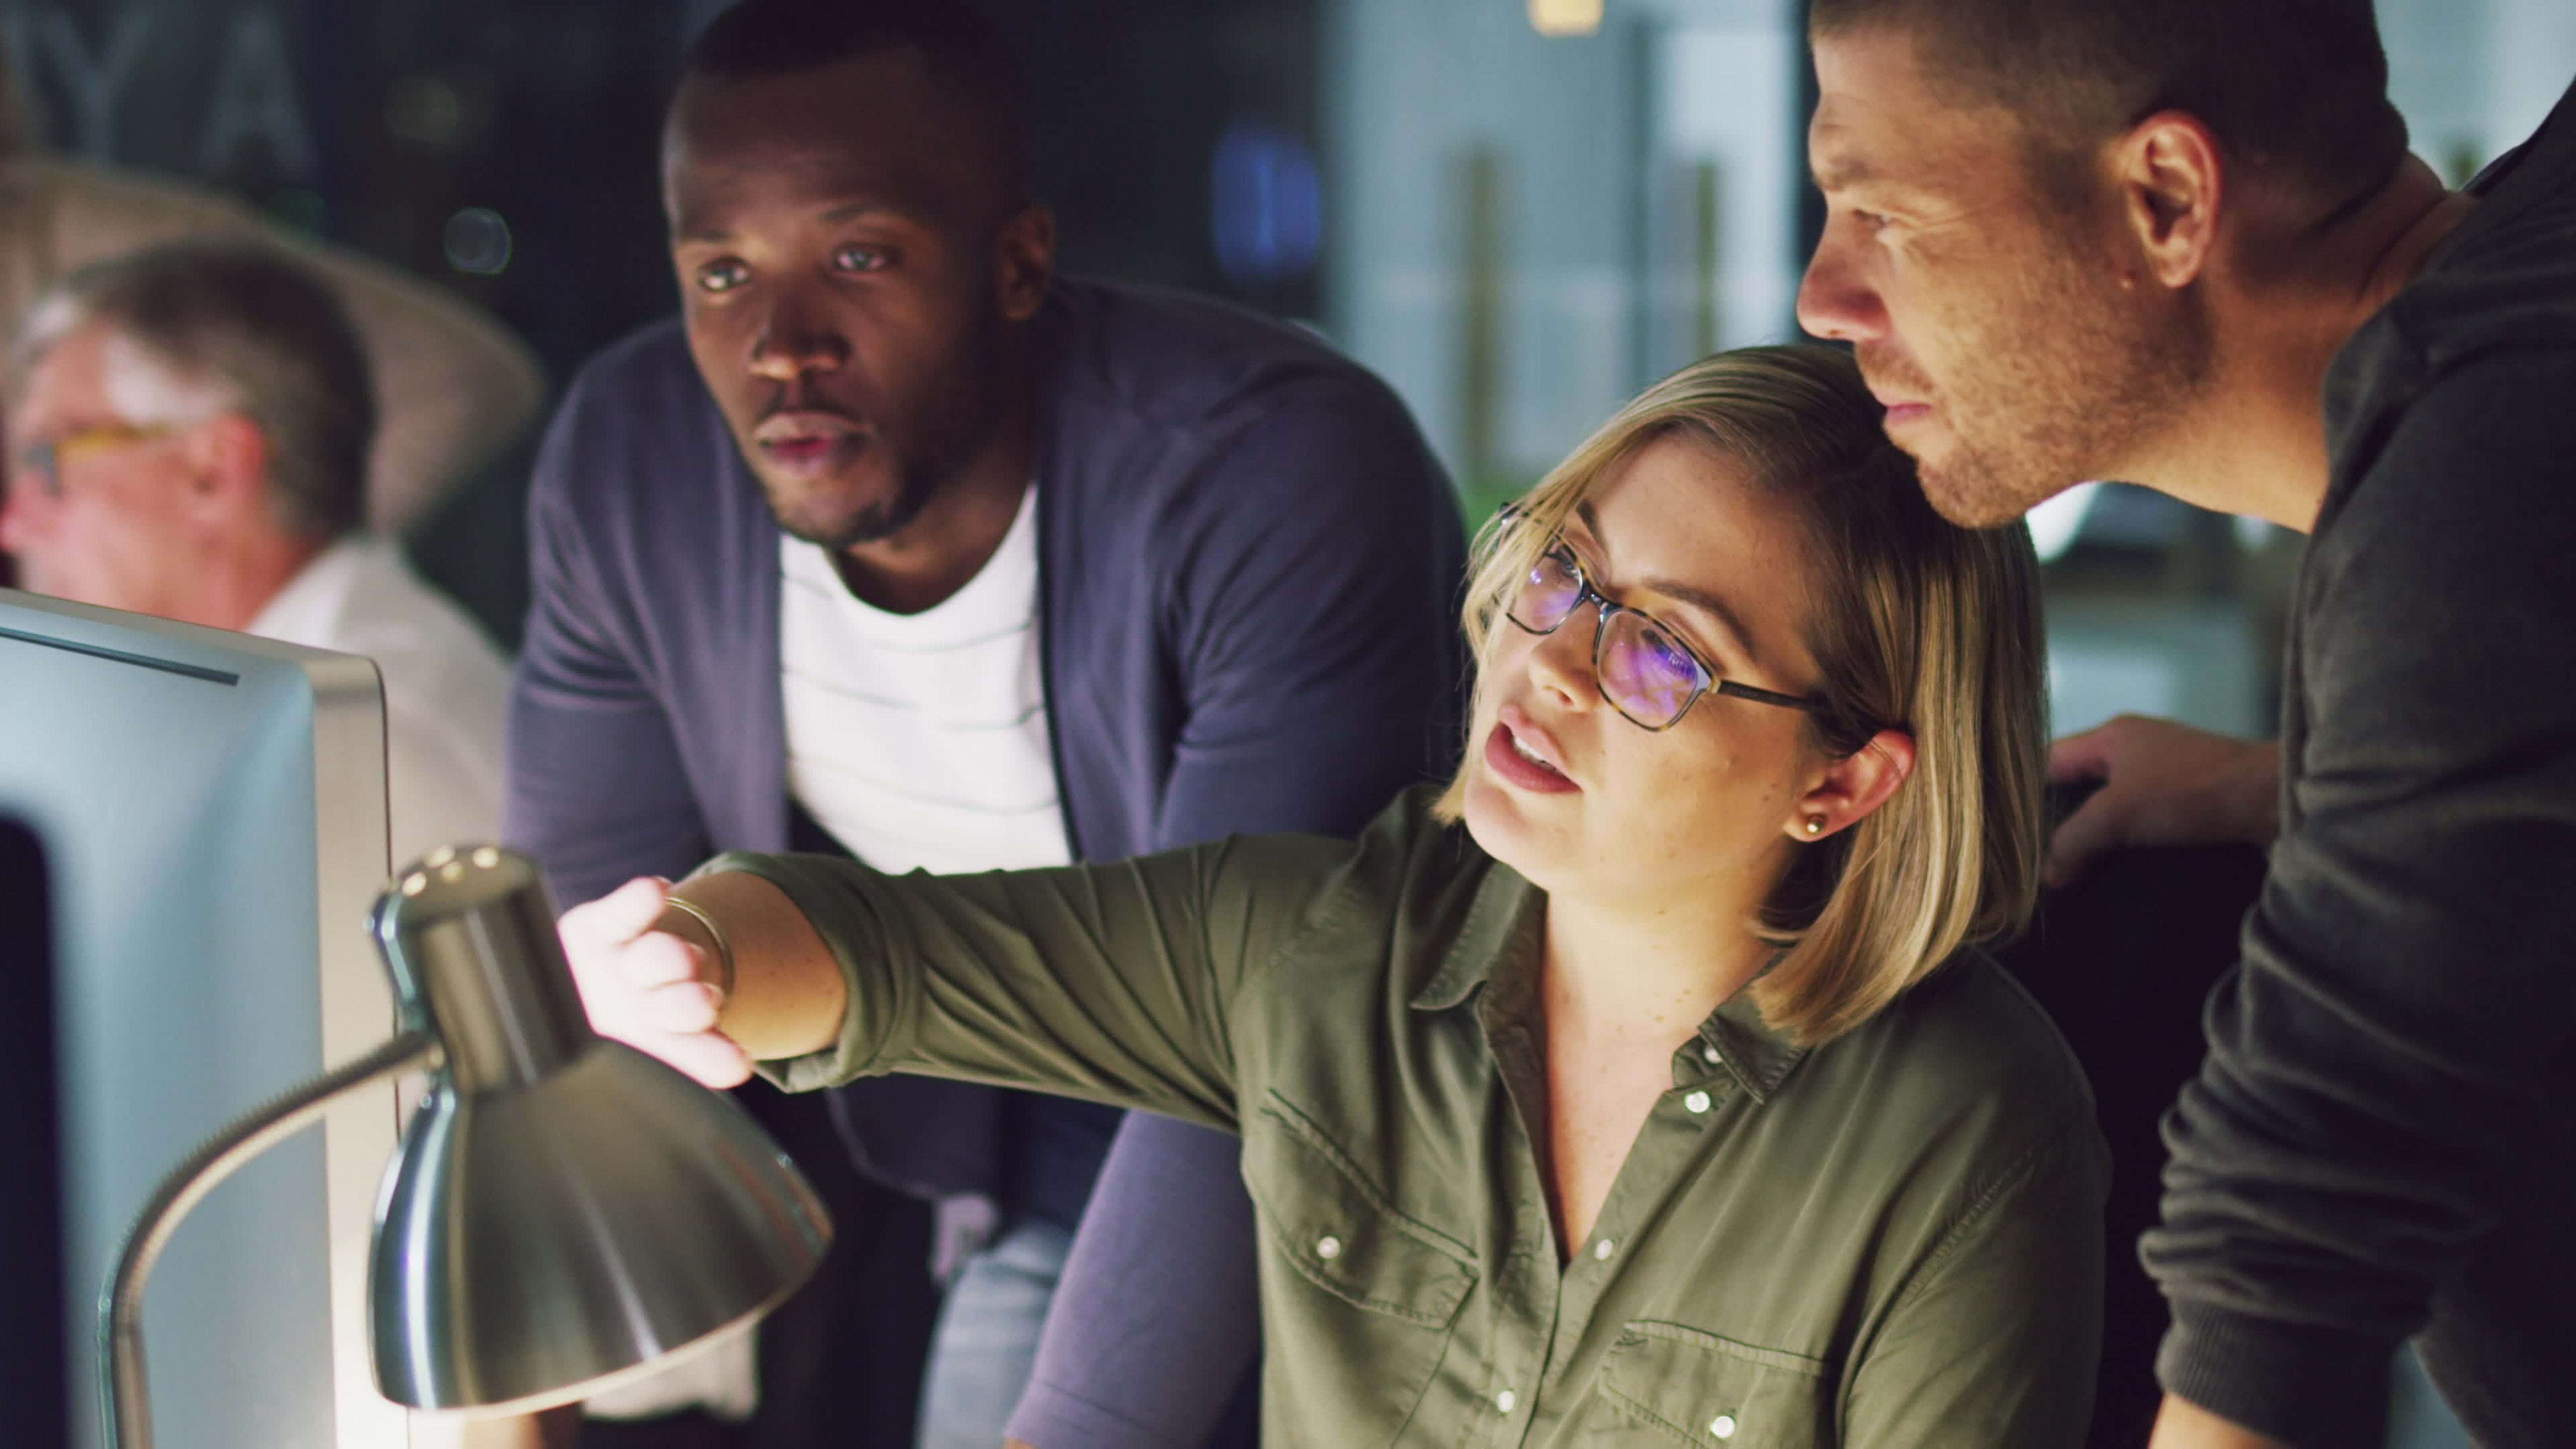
[447, 691]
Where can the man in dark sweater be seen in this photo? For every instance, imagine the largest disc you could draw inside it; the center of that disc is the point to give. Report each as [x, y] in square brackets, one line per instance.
[899, 544]
[2181, 242]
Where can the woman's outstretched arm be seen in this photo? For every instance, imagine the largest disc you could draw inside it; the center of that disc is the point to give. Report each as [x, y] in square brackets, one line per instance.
[1112, 982]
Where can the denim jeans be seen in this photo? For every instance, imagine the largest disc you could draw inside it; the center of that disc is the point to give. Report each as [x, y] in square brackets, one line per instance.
[986, 1341]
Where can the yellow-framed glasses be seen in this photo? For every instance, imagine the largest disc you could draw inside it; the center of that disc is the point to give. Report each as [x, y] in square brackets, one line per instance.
[46, 457]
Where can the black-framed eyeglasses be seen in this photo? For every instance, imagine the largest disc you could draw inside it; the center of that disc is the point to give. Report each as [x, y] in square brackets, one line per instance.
[1642, 668]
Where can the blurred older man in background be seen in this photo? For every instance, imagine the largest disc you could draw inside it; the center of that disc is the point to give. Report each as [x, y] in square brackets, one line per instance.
[455, 390]
[191, 439]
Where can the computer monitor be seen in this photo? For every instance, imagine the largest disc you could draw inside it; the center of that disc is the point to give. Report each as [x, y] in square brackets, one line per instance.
[212, 807]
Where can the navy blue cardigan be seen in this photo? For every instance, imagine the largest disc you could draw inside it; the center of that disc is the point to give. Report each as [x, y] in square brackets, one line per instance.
[1249, 576]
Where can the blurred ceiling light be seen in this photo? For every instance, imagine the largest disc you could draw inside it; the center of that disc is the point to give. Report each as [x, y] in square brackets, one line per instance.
[1266, 205]
[1565, 17]
[477, 241]
[426, 111]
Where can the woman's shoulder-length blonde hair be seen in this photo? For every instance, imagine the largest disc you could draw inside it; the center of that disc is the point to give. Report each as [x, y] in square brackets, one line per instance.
[1916, 624]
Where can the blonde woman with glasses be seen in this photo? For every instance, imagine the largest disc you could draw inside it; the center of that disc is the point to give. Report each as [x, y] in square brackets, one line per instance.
[1641, 1088]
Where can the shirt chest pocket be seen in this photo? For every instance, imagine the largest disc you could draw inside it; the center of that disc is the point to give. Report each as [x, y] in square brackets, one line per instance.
[1360, 1299]
[1665, 1385]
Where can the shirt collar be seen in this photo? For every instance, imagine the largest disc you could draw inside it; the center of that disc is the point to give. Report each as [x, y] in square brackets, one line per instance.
[1502, 919]
[304, 611]
[1759, 1058]
[1500, 937]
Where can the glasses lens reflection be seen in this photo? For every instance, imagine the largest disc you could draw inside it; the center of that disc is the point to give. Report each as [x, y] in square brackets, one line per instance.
[1551, 590]
[1645, 671]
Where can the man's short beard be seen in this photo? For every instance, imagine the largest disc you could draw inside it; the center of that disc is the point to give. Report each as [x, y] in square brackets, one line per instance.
[2100, 391]
[1977, 487]
[915, 485]
[971, 388]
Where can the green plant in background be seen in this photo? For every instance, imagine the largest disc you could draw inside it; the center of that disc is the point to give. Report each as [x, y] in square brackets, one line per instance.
[1482, 494]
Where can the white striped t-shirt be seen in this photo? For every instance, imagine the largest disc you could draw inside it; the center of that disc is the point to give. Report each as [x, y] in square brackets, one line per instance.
[920, 740]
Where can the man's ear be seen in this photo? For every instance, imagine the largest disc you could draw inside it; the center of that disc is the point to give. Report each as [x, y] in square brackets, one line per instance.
[1851, 787]
[2172, 178]
[228, 469]
[1026, 258]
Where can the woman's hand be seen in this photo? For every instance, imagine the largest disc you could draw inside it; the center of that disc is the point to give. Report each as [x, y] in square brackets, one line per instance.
[647, 974]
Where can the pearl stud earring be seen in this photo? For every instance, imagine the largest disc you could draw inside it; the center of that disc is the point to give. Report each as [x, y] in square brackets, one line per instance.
[1815, 826]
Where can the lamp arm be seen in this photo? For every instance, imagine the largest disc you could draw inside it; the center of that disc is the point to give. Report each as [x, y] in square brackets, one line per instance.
[128, 1398]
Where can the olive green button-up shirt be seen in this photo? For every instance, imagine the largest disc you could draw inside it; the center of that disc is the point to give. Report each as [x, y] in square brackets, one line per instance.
[1893, 1239]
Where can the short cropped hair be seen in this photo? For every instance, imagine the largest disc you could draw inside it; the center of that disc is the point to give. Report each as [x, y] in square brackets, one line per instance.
[217, 327]
[1917, 625]
[969, 58]
[2295, 89]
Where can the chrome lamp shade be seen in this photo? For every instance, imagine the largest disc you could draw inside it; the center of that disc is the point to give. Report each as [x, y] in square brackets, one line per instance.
[564, 1210]
[512, 1265]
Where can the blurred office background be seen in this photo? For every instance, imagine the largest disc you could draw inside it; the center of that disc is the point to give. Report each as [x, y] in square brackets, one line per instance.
[1518, 211]
[1523, 229]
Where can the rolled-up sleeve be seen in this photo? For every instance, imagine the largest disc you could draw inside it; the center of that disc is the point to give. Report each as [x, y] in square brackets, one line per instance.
[1112, 983]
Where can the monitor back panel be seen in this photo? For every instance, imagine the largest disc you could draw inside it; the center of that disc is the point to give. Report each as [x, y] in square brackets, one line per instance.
[209, 884]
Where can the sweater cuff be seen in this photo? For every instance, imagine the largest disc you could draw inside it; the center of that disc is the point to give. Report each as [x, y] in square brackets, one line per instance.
[2306, 1386]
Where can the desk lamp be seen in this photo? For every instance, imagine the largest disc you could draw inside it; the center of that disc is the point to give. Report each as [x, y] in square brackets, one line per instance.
[564, 1209]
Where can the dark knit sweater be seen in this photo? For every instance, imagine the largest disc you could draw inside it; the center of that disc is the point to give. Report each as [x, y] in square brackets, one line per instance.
[2382, 1141]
